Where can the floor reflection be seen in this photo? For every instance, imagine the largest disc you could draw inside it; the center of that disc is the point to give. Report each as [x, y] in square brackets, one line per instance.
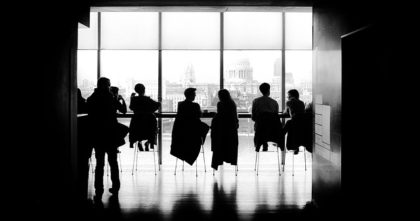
[222, 196]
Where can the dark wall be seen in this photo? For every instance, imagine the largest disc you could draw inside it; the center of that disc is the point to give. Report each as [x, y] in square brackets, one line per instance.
[363, 77]
[42, 89]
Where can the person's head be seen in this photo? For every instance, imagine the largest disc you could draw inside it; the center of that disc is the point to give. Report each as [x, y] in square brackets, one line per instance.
[114, 90]
[103, 83]
[293, 93]
[265, 89]
[190, 93]
[140, 89]
[224, 95]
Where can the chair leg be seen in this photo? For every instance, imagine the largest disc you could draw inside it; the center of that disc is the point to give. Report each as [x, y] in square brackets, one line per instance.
[154, 160]
[283, 160]
[176, 162]
[196, 168]
[278, 160]
[304, 155]
[204, 159]
[134, 159]
[293, 164]
[258, 162]
[256, 156]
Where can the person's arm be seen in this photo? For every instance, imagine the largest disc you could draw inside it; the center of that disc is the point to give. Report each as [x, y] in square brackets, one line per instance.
[132, 105]
[198, 111]
[286, 112]
[123, 105]
[253, 111]
[155, 104]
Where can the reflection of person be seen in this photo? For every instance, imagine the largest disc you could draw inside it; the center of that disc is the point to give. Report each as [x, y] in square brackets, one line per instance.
[119, 100]
[143, 125]
[295, 110]
[265, 114]
[188, 132]
[104, 124]
[224, 131]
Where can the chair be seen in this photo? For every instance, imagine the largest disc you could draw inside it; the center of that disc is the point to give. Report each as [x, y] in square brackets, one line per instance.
[268, 128]
[298, 135]
[196, 166]
[293, 159]
[136, 156]
[257, 159]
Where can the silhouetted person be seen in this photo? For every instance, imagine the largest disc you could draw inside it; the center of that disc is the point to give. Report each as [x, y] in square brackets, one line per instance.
[106, 134]
[224, 131]
[295, 110]
[119, 100]
[188, 132]
[267, 122]
[143, 125]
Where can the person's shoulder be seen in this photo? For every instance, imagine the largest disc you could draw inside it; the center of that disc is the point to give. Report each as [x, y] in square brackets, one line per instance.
[258, 99]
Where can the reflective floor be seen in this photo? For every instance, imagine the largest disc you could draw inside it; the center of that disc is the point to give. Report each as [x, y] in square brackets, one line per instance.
[194, 193]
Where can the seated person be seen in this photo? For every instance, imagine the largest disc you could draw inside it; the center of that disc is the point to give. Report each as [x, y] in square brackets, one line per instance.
[295, 110]
[143, 125]
[118, 100]
[188, 133]
[224, 131]
[267, 122]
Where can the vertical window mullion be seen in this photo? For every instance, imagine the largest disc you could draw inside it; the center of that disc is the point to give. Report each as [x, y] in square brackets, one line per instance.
[221, 50]
[160, 87]
[99, 47]
[283, 61]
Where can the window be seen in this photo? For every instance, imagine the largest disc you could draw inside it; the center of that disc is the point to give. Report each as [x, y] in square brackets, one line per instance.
[170, 51]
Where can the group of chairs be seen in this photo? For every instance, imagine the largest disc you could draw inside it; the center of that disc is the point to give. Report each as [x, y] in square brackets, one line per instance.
[281, 167]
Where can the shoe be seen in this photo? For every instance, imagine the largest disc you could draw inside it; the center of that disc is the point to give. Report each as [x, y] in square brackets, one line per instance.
[296, 151]
[113, 191]
[265, 147]
[146, 146]
[140, 146]
[131, 144]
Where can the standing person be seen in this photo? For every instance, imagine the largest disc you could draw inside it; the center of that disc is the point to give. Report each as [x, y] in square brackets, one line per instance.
[143, 125]
[119, 100]
[224, 131]
[295, 109]
[189, 132]
[267, 122]
[104, 124]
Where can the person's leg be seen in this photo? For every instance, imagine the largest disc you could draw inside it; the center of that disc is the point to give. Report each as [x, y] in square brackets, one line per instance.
[265, 146]
[115, 172]
[99, 171]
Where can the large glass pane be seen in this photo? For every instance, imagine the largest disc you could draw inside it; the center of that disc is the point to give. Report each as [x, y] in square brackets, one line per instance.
[88, 37]
[183, 69]
[252, 30]
[299, 73]
[298, 30]
[87, 71]
[244, 71]
[127, 68]
[190, 30]
[129, 30]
